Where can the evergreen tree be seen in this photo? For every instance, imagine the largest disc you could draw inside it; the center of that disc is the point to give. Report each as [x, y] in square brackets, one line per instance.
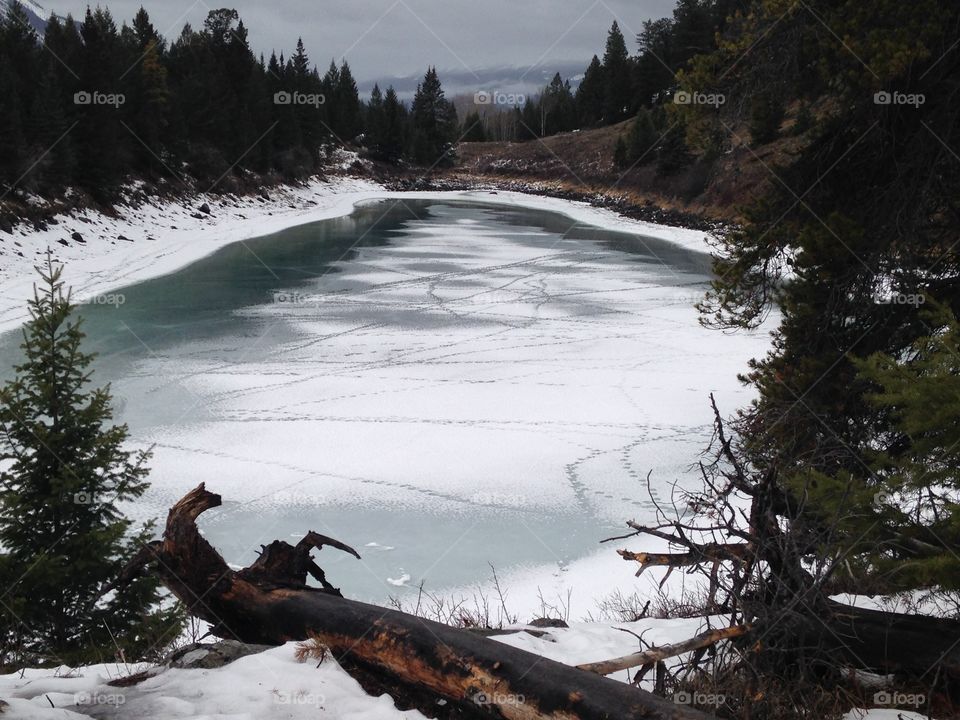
[309, 117]
[672, 152]
[766, 114]
[65, 471]
[472, 129]
[18, 68]
[395, 122]
[347, 105]
[53, 157]
[557, 108]
[529, 120]
[641, 143]
[374, 121]
[653, 76]
[870, 227]
[617, 77]
[591, 94]
[907, 522]
[620, 159]
[330, 85]
[434, 123]
[101, 139]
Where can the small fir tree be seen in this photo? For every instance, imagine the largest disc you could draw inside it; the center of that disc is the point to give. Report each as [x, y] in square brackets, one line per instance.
[63, 474]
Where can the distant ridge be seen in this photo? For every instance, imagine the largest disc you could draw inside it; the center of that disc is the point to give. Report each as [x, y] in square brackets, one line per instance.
[37, 14]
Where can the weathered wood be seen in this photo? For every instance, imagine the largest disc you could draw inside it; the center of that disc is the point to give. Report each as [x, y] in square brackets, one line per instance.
[653, 655]
[711, 552]
[270, 603]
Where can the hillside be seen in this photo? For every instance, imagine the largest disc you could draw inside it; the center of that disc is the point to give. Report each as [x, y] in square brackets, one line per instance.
[580, 164]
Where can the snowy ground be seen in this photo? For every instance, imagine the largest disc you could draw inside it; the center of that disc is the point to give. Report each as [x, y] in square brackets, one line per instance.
[274, 686]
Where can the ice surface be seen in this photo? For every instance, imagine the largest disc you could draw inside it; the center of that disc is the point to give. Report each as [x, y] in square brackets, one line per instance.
[488, 384]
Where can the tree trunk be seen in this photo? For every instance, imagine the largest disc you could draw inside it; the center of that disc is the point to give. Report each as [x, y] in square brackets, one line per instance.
[270, 603]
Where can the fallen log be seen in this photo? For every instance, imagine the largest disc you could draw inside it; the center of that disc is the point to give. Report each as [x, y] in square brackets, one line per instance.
[657, 654]
[270, 603]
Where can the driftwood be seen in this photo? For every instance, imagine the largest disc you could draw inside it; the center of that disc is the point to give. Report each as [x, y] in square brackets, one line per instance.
[270, 603]
[658, 654]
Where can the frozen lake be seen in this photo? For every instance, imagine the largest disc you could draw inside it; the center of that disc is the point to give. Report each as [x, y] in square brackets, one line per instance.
[440, 384]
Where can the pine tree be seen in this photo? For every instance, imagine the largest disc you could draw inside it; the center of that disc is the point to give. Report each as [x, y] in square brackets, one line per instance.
[472, 129]
[766, 114]
[18, 67]
[65, 472]
[434, 123]
[394, 127]
[348, 105]
[620, 160]
[641, 143]
[557, 109]
[54, 160]
[590, 94]
[330, 86]
[617, 76]
[102, 141]
[672, 152]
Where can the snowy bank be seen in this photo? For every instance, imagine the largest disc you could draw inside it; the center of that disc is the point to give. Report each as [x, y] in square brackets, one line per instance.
[157, 238]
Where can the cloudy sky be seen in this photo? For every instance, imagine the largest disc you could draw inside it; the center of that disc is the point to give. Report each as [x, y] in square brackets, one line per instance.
[387, 38]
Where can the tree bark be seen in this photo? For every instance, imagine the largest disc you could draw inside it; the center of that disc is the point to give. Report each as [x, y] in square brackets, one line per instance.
[270, 603]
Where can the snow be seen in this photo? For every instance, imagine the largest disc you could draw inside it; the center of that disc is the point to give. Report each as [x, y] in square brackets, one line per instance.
[267, 686]
[884, 714]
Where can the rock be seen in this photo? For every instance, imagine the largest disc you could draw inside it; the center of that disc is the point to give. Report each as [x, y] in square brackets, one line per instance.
[198, 216]
[548, 623]
[6, 225]
[124, 237]
[211, 655]
[63, 242]
[77, 236]
[205, 209]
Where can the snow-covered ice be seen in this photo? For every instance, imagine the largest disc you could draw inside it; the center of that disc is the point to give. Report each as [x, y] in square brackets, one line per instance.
[488, 385]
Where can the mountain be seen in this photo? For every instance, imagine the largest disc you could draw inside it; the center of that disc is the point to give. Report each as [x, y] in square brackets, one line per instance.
[35, 11]
[522, 80]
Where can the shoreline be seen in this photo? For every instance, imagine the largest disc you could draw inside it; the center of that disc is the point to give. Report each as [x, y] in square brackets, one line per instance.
[155, 239]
